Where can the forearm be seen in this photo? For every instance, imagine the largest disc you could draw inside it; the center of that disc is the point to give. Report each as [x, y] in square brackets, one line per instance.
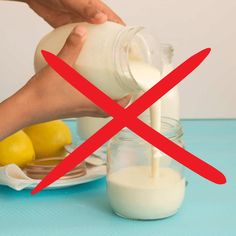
[16, 112]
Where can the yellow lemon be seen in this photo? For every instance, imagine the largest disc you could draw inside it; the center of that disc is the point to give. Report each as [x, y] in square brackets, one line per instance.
[16, 149]
[49, 138]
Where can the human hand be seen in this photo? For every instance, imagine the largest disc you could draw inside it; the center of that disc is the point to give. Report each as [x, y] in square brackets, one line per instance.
[61, 12]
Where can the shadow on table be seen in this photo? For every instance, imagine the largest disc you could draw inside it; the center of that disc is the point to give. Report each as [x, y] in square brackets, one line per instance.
[88, 195]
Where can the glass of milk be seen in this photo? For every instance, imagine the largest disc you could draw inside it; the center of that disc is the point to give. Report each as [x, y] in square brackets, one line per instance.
[132, 191]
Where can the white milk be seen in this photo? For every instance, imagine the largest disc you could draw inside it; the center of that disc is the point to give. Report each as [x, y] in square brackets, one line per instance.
[146, 77]
[134, 194]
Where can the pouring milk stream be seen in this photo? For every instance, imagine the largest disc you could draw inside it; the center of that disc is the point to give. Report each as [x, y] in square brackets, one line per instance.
[118, 60]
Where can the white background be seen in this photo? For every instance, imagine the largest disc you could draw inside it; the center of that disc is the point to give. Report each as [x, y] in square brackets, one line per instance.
[189, 25]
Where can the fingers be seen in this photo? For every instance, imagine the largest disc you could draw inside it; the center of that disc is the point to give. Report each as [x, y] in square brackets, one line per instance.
[111, 15]
[87, 9]
[93, 15]
[93, 11]
[73, 45]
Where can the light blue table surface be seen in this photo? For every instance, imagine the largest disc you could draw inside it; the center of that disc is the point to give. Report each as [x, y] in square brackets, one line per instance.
[208, 209]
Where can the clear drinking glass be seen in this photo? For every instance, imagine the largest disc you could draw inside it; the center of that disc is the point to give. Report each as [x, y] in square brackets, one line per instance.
[132, 191]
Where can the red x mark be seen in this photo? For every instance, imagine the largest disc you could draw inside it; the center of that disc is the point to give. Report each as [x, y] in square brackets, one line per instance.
[128, 117]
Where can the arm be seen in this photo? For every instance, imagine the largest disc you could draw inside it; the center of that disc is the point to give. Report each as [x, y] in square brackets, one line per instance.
[14, 113]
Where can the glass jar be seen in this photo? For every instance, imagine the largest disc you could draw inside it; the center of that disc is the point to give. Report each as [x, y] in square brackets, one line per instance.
[106, 54]
[132, 191]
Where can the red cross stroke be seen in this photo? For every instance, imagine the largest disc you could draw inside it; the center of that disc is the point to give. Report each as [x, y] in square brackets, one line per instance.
[128, 118]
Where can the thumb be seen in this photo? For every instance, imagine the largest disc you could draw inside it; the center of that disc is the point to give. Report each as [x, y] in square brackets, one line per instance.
[73, 45]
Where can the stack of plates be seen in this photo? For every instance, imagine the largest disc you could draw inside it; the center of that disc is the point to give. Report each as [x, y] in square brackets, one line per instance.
[38, 169]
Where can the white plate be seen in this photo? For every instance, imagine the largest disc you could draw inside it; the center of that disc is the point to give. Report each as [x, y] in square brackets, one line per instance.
[12, 176]
[89, 177]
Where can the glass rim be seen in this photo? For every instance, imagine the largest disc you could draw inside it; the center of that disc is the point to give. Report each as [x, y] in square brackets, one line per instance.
[168, 124]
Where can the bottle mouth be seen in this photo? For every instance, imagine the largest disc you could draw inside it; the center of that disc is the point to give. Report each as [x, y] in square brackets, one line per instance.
[134, 44]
